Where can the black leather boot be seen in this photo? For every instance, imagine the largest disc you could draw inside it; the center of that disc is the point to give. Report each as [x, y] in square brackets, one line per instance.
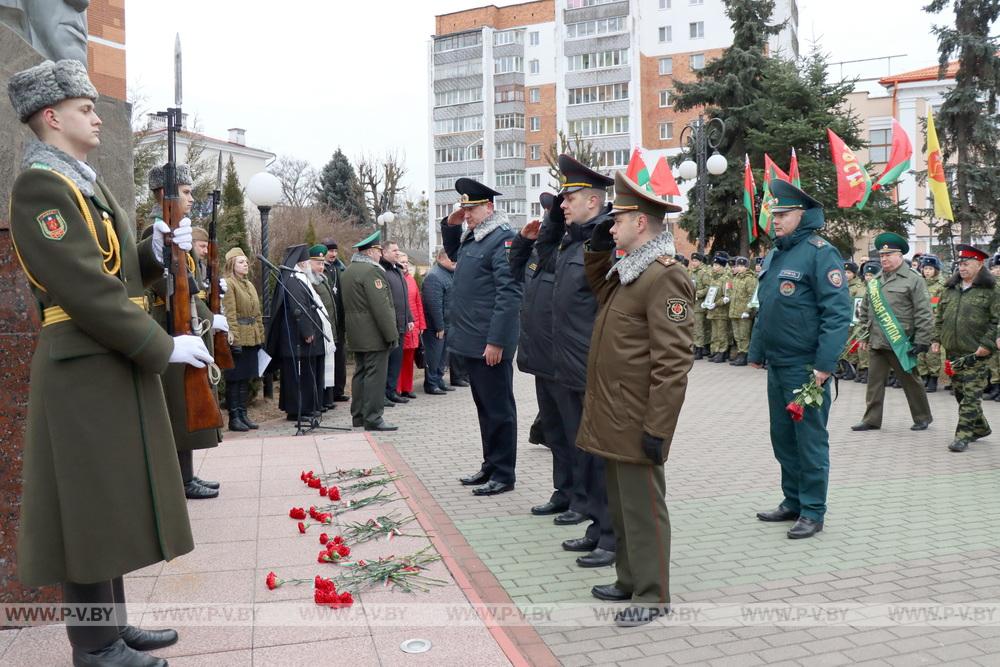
[931, 384]
[244, 401]
[236, 422]
[233, 406]
[698, 353]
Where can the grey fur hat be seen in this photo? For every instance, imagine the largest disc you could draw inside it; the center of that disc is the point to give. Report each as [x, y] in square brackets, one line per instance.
[47, 84]
[157, 181]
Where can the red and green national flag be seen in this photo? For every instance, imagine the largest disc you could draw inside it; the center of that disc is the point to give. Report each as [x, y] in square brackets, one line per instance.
[636, 169]
[662, 182]
[899, 158]
[749, 192]
[771, 172]
[793, 171]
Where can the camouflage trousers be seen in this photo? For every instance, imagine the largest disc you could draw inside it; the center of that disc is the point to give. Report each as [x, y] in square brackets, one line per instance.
[854, 358]
[929, 363]
[969, 383]
[741, 333]
[701, 329]
[721, 335]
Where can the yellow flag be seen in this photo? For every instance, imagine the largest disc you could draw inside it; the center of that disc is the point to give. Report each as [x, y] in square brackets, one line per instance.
[935, 173]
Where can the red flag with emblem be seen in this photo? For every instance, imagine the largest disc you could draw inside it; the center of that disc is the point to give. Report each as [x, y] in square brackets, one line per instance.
[854, 185]
[662, 182]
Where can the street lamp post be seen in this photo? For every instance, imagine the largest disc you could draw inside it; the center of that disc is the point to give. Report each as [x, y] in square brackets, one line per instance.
[384, 220]
[703, 136]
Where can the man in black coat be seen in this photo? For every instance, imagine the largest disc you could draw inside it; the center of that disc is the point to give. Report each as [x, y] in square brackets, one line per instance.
[295, 338]
[436, 296]
[404, 318]
[334, 267]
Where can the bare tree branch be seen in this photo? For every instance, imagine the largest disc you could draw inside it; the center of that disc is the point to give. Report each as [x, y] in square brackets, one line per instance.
[298, 181]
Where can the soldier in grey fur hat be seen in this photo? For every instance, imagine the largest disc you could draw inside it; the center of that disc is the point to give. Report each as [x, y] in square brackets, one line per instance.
[102, 493]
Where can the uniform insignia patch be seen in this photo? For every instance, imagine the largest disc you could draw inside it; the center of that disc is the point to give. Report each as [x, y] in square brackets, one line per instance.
[378, 283]
[836, 278]
[532, 266]
[677, 310]
[787, 288]
[790, 273]
[52, 223]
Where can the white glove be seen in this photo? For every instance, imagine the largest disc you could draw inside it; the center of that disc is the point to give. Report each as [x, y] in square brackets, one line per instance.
[725, 300]
[708, 306]
[190, 350]
[181, 237]
[745, 316]
[223, 288]
[220, 323]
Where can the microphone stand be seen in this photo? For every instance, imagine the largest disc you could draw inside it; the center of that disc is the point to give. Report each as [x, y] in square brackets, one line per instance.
[313, 422]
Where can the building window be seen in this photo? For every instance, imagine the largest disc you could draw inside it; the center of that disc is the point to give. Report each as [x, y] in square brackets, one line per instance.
[536, 180]
[666, 131]
[508, 64]
[879, 145]
[458, 70]
[666, 66]
[611, 92]
[535, 96]
[697, 60]
[534, 66]
[665, 33]
[578, 4]
[599, 60]
[536, 210]
[608, 26]
[536, 152]
[510, 179]
[697, 29]
[443, 210]
[509, 121]
[666, 99]
[594, 127]
[534, 123]
[533, 38]
[509, 149]
[511, 206]
[443, 155]
[664, 4]
[508, 37]
[608, 159]
[460, 124]
[458, 42]
[510, 93]
[462, 96]
[696, 2]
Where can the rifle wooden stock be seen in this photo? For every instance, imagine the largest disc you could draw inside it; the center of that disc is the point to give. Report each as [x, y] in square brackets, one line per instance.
[221, 350]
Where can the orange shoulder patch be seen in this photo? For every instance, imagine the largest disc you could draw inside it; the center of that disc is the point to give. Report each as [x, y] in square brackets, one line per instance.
[666, 260]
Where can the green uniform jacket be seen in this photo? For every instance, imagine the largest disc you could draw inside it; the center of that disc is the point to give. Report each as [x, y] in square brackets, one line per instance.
[967, 319]
[102, 488]
[935, 286]
[368, 310]
[744, 285]
[719, 279]
[240, 302]
[906, 294]
[699, 279]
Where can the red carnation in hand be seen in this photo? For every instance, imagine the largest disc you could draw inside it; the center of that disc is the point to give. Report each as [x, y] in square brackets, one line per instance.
[948, 370]
[302, 527]
[333, 493]
[297, 513]
[272, 581]
[796, 411]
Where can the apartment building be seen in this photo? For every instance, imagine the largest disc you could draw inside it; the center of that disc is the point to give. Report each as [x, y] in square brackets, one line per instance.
[505, 80]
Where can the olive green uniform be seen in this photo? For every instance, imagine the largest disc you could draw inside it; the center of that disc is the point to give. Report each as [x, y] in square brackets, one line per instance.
[701, 327]
[102, 491]
[718, 317]
[744, 285]
[856, 288]
[929, 363]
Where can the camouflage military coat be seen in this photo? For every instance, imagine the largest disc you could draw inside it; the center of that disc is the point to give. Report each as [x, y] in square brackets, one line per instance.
[967, 319]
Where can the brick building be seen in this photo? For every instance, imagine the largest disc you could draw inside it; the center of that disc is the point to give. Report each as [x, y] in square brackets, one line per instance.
[106, 46]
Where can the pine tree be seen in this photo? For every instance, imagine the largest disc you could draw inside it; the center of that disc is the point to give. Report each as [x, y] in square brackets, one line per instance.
[310, 234]
[232, 231]
[967, 123]
[339, 190]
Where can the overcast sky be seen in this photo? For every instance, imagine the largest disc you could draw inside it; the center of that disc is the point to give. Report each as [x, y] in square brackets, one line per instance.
[304, 77]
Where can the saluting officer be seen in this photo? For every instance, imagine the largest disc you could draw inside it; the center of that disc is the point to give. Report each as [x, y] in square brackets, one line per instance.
[102, 492]
[897, 311]
[965, 324]
[484, 326]
[640, 356]
[370, 328]
[805, 314]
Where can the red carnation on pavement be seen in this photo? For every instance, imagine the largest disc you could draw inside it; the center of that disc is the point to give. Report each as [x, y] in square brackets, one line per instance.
[297, 513]
[272, 581]
[323, 538]
[346, 598]
[796, 411]
[334, 493]
[324, 584]
[322, 490]
[338, 540]
[302, 527]
[343, 550]
[314, 483]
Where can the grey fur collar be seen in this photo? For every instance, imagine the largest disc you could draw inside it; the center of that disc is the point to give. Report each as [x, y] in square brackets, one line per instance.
[497, 220]
[365, 259]
[631, 266]
[79, 172]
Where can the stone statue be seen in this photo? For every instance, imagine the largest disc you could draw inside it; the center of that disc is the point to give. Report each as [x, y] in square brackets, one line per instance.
[57, 29]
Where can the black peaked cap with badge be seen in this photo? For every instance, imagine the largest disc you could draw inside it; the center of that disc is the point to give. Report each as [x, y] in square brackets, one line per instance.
[630, 196]
[474, 193]
[578, 176]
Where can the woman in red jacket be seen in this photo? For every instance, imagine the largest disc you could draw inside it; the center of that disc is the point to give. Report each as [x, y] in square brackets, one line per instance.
[411, 340]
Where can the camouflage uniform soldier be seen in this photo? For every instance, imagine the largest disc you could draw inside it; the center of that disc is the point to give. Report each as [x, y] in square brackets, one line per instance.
[699, 276]
[993, 383]
[869, 270]
[716, 302]
[965, 323]
[929, 363]
[744, 286]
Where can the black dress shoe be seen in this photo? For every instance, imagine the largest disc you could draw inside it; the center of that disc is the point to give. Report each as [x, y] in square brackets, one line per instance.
[569, 518]
[459, 383]
[386, 403]
[716, 358]
[547, 508]
[147, 640]
[782, 513]
[434, 391]
[446, 387]
[864, 427]
[357, 422]
[408, 394]
[635, 616]
[117, 654]
[580, 544]
[492, 488]
[381, 425]
[343, 398]
[597, 558]
[959, 445]
[209, 485]
[396, 398]
[611, 593]
[932, 384]
[921, 425]
[475, 479]
[195, 491]
[804, 528]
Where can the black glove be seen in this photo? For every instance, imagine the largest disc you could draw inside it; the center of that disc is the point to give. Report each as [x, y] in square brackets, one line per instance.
[652, 448]
[601, 240]
[236, 349]
[920, 348]
[556, 214]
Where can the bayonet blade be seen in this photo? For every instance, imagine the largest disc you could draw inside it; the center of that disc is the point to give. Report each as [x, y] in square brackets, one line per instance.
[218, 177]
[178, 87]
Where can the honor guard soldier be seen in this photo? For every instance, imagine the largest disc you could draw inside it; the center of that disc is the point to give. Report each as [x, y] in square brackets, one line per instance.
[484, 326]
[102, 493]
[744, 286]
[716, 304]
[805, 314]
[897, 311]
[370, 329]
[699, 272]
[929, 363]
[640, 356]
[965, 324]
[847, 369]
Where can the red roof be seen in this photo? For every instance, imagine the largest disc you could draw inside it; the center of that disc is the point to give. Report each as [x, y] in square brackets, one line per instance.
[923, 74]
